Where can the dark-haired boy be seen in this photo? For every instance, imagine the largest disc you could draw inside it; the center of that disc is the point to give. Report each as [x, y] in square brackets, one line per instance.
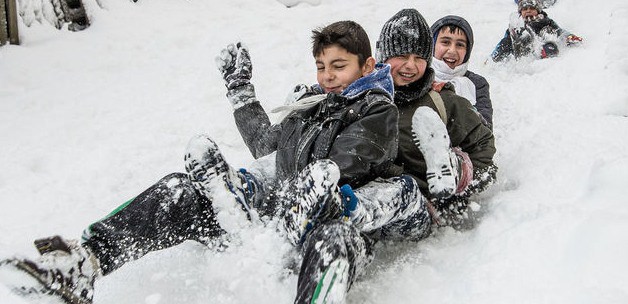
[342, 132]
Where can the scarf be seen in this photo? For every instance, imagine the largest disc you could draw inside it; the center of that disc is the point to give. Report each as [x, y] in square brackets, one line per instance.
[463, 85]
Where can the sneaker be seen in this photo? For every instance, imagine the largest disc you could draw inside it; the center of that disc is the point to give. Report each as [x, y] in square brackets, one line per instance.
[208, 171]
[66, 271]
[332, 287]
[430, 135]
[310, 198]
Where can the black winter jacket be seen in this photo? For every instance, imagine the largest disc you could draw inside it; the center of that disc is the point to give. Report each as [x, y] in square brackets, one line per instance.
[357, 130]
[482, 97]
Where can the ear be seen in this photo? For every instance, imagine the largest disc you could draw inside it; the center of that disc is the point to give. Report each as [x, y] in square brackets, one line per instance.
[368, 66]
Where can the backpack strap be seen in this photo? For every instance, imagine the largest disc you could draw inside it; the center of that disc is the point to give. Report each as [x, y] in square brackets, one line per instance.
[440, 105]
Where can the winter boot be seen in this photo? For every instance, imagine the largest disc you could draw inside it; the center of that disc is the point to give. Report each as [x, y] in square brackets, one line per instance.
[332, 287]
[209, 171]
[310, 198]
[65, 271]
[430, 135]
[549, 50]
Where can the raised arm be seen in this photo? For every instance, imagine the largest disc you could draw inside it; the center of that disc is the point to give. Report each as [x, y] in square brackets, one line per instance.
[236, 68]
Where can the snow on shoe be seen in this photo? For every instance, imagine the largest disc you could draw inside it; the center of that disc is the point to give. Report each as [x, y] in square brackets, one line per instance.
[209, 172]
[310, 198]
[430, 135]
[57, 275]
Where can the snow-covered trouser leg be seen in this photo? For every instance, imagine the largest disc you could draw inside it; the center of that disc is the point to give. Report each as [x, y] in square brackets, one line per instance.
[521, 36]
[166, 214]
[211, 175]
[394, 203]
[334, 254]
[432, 139]
[308, 199]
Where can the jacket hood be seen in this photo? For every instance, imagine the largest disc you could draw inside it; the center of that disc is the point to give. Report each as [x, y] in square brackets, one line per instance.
[379, 79]
[458, 22]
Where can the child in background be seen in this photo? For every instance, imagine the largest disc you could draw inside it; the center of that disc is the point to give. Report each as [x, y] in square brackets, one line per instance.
[531, 31]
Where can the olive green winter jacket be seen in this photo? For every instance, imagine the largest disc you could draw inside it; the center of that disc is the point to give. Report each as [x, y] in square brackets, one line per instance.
[464, 126]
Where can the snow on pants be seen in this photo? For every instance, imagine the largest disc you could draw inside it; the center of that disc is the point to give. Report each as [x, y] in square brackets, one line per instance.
[164, 215]
[328, 242]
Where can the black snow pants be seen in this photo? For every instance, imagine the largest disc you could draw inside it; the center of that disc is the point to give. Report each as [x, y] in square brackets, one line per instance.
[164, 215]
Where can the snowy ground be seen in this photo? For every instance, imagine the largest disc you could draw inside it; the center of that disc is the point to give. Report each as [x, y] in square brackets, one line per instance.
[90, 119]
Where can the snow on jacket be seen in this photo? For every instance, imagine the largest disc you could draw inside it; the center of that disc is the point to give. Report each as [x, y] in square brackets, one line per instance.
[464, 126]
[540, 27]
[356, 129]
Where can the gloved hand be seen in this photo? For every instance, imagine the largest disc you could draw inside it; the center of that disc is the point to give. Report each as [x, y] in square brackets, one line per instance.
[573, 40]
[235, 65]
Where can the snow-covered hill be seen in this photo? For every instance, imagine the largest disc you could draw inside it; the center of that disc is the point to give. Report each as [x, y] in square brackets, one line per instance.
[90, 119]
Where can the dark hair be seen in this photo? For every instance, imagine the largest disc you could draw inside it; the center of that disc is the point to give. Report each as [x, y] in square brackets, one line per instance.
[347, 34]
[454, 23]
[453, 29]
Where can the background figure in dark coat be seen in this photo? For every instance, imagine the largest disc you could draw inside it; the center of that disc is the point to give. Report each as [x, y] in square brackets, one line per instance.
[531, 31]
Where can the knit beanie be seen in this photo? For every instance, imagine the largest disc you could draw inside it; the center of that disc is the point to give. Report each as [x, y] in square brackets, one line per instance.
[406, 32]
[529, 3]
[458, 22]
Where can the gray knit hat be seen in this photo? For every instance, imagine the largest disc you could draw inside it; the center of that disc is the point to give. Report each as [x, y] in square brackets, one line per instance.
[406, 32]
[529, 3]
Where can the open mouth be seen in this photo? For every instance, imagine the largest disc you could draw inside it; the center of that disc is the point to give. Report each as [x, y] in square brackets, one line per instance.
[450, 62]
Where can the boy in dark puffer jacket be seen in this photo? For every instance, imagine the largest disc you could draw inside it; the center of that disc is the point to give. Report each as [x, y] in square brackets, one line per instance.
[453, 43]
[532, 32]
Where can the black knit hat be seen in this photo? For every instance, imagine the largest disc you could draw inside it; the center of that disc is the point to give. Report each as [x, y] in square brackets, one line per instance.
[458, 22]
[405, 33]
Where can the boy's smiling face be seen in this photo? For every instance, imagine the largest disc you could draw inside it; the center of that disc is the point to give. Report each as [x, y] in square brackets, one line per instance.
[406, 69]
[450, 47]
[337, 68]
[528, 12]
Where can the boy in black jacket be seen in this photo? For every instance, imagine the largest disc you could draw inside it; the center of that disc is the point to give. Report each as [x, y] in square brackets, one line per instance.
[343, 132]
[531, 31]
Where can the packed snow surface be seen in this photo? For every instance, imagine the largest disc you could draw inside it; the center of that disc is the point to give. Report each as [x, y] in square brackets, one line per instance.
[90, 119]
